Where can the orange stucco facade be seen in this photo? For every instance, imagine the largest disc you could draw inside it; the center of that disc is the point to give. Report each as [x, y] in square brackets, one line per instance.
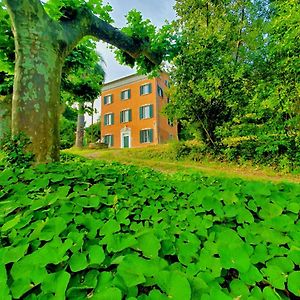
[142, 126]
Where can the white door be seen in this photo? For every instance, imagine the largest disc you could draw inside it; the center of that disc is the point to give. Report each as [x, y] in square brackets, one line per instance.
[125, 140]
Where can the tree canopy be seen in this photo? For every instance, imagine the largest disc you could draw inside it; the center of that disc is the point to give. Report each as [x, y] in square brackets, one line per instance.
[236, 77]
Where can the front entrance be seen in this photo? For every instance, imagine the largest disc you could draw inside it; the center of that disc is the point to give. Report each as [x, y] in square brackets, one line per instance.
[126, 138]
[125, 141]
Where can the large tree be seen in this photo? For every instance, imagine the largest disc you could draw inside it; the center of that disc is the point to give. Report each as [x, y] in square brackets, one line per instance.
[83, 82]
[41, 45]
[211, 72]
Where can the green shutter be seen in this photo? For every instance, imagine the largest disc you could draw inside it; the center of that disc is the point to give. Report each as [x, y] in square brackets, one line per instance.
[141, 136]
[141, 90]
[121, 117]
[112, 140]
[105, 100]
[151, 135]
[112, 98]
[112, 119]
[122, 95]
[150, 88]
[151, 110]
[130, 115]
[129, 94]
[105, 119]
[141, 112]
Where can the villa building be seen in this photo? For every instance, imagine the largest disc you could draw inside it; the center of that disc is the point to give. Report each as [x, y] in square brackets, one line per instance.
[131, 112]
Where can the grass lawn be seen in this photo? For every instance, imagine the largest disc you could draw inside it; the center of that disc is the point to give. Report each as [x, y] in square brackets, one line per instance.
[156, 157]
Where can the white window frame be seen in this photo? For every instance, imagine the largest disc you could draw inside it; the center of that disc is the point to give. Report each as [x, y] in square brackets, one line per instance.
[126, 93]
[126, 114]
[107, 97]
[148, 91]
[109, 119]
[147, 139]
[160, 91]
[109, 140]
[146, 109]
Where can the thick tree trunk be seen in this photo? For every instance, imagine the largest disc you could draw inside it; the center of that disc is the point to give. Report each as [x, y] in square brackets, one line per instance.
[80, 127]
[35, 103]
[5, 116]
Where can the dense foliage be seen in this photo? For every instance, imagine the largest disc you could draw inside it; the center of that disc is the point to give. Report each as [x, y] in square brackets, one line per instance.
[93, 230]
[236, 78]
[67, 133]
[14, 149]
[92, 133]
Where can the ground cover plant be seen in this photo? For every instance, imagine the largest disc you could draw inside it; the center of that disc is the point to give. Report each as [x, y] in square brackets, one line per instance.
[90, 230]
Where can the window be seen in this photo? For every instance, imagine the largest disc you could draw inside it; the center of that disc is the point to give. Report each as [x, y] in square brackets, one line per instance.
[146, 111]
[146, 136]
[125, 116]
[145, 89]
[107, 99]
[167, 83]
[109, 119]
[125, 95]
[109, 140]
[160, 91]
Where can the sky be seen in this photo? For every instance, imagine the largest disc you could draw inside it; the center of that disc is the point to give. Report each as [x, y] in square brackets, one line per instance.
[156, 10]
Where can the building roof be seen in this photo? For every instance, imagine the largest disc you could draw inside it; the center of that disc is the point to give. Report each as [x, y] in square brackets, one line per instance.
[123, 81]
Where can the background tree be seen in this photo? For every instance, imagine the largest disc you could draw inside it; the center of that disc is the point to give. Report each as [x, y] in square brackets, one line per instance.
[236, 77]
[92, 132]
[211, 75]
[44, 35]
[83, 83]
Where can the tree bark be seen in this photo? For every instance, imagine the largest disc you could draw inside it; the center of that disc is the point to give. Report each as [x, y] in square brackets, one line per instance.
[41, 46]
[38, 65]
[80, 127]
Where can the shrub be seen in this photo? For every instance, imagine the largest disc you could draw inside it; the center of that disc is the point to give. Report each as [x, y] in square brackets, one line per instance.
[67, 133]
[15, 149]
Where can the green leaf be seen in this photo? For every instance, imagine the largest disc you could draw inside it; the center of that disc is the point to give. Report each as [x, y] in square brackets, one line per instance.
[78, 262]
[13, 254]
[149, 244]
[96, 254]
[56, 283]
[110, 227]
[294, 283]
[275, 276]
[174, 284]
[20, 286]
[98, 189]
[239, 289]
[111, 293]
[270, 294]
[53, 227]
[11, 223]
[4, 289]
[269, 211]
[232, 250]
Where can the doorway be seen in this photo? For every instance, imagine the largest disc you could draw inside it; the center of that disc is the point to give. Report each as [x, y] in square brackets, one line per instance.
[126, 138]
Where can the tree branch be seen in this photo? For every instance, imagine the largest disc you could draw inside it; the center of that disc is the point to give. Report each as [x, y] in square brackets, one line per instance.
[86, 23]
